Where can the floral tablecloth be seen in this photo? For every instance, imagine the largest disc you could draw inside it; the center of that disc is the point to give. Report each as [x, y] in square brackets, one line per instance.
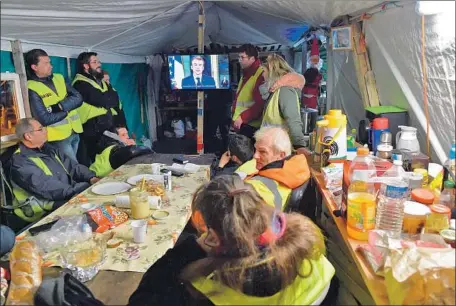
[161, 236]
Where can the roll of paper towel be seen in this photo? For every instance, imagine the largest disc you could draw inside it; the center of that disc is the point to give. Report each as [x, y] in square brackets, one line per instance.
[124, 201]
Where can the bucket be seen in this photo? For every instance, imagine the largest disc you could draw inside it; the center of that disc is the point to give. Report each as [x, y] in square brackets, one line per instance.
[334, 134]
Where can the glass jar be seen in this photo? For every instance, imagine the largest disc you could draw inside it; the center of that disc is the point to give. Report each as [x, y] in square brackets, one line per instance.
[438, 219]
[139, 203]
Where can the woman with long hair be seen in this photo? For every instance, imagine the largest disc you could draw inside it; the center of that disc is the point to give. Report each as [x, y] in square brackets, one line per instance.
[249, 254]
[282, 93]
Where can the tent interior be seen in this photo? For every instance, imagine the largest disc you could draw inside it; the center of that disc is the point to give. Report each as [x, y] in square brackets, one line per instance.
[131, 36]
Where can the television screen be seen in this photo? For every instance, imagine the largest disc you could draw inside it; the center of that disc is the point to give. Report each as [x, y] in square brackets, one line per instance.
[199, 71]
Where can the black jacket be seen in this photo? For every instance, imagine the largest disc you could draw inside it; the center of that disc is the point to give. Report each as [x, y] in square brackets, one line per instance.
[109, 99]
[229, 168]
[47, 117]
[58, 187]
[160, 285]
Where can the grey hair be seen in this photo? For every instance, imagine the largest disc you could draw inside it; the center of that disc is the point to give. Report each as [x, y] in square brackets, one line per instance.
[280, 139]
[23, 126]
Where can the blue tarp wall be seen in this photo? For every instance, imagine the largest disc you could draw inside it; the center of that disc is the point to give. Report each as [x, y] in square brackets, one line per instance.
[124, 78]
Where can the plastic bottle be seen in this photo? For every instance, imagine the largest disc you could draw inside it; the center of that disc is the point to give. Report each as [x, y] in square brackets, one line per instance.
[351, 139]
[390, 204]
[447, 197]
[451, 163]
[361, 196]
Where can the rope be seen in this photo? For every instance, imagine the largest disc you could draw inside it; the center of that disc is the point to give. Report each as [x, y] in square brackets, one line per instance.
[425, 94]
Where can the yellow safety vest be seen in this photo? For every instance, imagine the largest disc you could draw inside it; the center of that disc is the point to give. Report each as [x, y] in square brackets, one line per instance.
[87, 111]
[245, 97]
[271, 115]
[37, 208]
[62, 129]
[247, 168]
[273, 193]
[303, 291]
[101, 166]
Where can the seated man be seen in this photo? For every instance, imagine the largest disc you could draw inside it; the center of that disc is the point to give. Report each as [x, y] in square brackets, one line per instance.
[240, 150]
[42, 177]
[279, 172]
[115, 150]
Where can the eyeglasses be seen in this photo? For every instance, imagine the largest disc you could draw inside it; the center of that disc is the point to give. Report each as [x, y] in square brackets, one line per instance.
[38, 130]
[95, 62]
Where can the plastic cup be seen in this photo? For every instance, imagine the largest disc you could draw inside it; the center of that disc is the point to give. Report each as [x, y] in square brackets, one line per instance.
[156, 167]
[139, 230]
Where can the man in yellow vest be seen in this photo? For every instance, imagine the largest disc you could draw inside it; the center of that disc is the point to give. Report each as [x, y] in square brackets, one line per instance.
[42, 178]
[53, 103]
[248, 104]
[278, 171]
[95, 112]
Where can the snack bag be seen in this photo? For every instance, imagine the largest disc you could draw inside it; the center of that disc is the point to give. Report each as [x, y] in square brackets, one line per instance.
[105, 217]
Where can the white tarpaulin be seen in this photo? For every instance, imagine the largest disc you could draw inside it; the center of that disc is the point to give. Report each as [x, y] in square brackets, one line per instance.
[144, 27]
[394, 42]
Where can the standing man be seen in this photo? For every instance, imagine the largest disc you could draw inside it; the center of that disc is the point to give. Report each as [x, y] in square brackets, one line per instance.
[198, 80]
[248, 103]
[53, 103]
[95, 112]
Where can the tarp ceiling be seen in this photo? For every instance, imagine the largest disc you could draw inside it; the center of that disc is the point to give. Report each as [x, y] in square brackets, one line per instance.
[144, 27]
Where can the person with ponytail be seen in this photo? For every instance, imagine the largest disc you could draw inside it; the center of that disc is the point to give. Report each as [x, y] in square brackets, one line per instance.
[249, 254]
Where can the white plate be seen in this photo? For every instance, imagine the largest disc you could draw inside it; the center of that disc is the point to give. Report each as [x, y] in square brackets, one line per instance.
[110, 188]
[134, 179]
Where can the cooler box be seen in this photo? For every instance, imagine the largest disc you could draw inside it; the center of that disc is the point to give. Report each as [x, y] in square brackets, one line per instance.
[396, 116]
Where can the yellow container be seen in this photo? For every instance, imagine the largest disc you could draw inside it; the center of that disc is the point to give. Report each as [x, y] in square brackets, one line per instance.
[361, 207]
[424, 173]
[334, 133]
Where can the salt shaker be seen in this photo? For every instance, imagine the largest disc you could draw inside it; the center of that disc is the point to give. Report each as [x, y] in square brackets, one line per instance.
[167, 180]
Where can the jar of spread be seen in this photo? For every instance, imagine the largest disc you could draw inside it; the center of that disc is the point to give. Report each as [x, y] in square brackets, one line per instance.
[438, 219]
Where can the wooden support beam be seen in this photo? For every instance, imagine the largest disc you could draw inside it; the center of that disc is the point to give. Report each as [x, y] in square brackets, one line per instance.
[364, 73]
[200, 110]
[19, 65]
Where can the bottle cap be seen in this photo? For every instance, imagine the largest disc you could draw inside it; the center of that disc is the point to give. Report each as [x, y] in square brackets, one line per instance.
[448, 184]
[363, 151]
[423, 195]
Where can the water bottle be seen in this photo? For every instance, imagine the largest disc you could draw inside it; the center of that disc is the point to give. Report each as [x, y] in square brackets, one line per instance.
[390, 203]
[447, 196]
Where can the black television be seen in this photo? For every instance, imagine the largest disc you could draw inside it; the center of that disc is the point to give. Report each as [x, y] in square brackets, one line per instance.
[199, 71]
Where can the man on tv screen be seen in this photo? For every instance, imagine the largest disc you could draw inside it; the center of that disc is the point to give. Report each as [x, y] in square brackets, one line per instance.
[198, 80]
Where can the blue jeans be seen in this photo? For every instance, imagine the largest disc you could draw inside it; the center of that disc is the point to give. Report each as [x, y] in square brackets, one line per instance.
[69, 146]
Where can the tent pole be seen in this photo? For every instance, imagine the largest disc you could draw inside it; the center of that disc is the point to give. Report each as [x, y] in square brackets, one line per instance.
[200, 123]
[304, 56]
[19, 65]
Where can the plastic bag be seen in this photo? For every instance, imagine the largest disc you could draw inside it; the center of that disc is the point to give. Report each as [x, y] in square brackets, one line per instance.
[179, 128]
[67, 230]
[105, 217]
[421, 276]
[26, 274]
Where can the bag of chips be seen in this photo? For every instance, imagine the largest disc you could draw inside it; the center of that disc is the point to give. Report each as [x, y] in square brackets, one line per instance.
[105, 217]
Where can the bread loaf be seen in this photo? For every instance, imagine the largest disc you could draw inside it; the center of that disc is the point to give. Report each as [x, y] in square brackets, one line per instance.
[26, 274]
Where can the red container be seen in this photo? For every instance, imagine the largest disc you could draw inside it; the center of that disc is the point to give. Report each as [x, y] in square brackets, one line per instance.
[380, 124]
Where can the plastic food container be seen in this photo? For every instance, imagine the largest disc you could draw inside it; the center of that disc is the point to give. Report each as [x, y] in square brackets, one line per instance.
[415, 215]
[449, 235]
[438, 219]
[423, 196]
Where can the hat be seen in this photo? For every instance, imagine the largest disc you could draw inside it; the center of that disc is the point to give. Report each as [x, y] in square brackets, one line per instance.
[315, 51]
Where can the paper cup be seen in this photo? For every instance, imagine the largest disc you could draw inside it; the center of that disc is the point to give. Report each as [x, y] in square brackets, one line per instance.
[123, 201]
[156, 167]
[139, 230]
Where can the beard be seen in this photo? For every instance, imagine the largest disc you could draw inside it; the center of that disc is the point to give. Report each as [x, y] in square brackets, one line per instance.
[96, 74]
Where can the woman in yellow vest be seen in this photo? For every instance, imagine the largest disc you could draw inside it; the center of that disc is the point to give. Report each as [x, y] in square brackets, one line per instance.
[282, 93]
[249, 255]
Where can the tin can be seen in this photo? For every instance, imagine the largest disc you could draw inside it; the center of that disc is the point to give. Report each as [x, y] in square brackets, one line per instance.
[167, 180]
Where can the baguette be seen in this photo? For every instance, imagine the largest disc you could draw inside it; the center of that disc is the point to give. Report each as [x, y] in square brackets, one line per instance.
[26, 273]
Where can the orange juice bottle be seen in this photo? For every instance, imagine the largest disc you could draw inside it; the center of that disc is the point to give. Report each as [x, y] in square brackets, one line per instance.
[361, 197]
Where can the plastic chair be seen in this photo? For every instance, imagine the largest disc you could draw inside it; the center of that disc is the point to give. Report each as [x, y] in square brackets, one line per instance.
[294, 200]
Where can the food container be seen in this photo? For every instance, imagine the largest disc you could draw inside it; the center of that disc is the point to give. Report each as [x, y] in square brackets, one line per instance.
[438, 219]
[415, 215]
[449, 235]
[415, 160]
[423, 196]
[424, 173]
[384, 151]
[139, 203]
[415, 180]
